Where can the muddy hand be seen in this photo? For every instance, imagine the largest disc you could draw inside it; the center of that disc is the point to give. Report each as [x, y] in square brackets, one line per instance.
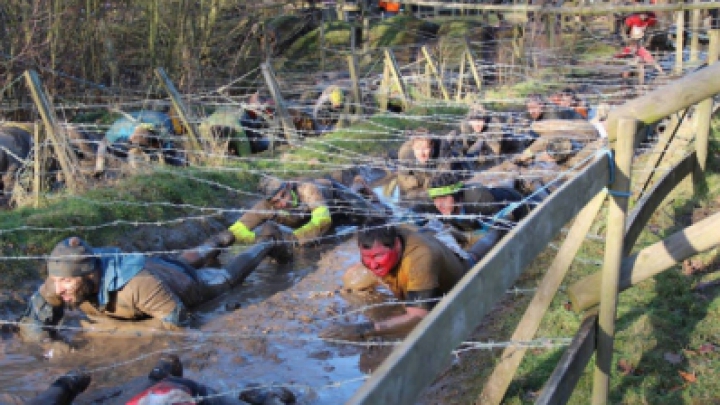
[56, 349]
[97, 327]
[348, 331]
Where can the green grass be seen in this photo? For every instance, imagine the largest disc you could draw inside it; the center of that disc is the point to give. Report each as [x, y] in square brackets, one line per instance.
[656, 320]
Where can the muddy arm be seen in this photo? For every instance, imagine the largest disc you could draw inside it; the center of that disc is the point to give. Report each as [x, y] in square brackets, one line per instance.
[39, 315]
[400, 324]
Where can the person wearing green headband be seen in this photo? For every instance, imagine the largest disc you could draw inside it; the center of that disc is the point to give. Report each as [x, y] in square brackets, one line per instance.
[468, 208]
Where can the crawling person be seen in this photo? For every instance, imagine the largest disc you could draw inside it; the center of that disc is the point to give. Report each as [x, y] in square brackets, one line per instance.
[311, 207]
[423, 155]
[328, 107]
[129, 291]
[415, 266]
[482, 140]
[164, 385]
[470, 207]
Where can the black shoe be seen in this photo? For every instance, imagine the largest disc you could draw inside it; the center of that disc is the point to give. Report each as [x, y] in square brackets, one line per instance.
[168, 365]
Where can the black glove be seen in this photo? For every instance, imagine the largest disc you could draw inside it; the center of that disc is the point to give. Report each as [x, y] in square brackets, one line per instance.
[74, 382]
[349, 331]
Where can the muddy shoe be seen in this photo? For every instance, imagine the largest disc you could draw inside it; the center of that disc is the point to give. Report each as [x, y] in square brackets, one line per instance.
[168, 365]
[282, 250]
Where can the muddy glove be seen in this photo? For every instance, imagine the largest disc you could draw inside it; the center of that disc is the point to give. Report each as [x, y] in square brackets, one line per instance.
[349, 331]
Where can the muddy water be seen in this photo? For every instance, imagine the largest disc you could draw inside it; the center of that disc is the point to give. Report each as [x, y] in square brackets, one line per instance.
[270, 339]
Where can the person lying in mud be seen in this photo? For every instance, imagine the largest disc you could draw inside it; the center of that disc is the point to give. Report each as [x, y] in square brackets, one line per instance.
[415, 266]
[483, 140]
[129, 291]
[328, 107]
[470, 208]
[62, 391]
[568, 98]
[310, 207]
[164, 385]
[540, 109]
[423, 155]
[141, 135]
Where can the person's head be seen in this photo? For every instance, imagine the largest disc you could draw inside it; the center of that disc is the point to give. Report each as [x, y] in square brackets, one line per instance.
[336, 97]
[445, 192]
[73, 270]
[143, 133]
[380, 246]
[568, 98]
[422, 144]
[477, 118]
[280, 194]
[535, 104]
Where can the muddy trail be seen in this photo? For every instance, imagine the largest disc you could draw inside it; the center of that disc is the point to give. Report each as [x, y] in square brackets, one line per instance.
[264, 332]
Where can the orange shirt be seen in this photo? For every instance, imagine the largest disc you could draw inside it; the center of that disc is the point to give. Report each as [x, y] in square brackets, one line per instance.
[390, 6]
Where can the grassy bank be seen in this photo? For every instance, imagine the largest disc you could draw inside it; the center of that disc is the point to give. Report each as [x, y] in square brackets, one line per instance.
[667, 345]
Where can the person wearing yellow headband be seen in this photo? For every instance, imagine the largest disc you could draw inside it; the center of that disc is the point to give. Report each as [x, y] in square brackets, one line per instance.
[328, 107]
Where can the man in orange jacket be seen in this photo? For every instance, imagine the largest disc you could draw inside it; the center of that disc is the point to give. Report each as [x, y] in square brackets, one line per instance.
[389, 8]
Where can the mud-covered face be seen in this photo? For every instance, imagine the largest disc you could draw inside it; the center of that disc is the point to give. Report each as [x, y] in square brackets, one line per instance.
[535, 109]
[567, 101]
[381, 259]
[477, 125]
[282, 200]
[422, 148]
[72, 290]
[445, 204]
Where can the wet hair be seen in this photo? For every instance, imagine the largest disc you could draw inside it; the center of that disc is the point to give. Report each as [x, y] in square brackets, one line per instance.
[568, 92]
[376, 230]
[443, 180]
[420, 134]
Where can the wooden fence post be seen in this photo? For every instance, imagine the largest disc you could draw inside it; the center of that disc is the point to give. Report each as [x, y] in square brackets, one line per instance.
[703, 113]
[473, 65]
[617, 213]
[383, 93]
[679, 34]
[192, 131]
[436, 74]
[461, 77]
[61, 146]
[695, 30]
[354, 78]
[285, 121]
[397, 77]
[497, 384]
[37, 167]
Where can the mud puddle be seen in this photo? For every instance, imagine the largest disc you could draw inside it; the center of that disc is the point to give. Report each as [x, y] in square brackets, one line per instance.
[264, 332]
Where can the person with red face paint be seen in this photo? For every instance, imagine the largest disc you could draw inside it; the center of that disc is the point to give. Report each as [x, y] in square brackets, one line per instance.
[414, 265]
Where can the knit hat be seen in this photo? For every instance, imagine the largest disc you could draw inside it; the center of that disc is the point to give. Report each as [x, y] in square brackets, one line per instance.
[71, 257]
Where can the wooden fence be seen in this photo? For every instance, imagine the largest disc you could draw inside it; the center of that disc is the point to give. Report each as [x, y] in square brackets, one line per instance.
[415, 363]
